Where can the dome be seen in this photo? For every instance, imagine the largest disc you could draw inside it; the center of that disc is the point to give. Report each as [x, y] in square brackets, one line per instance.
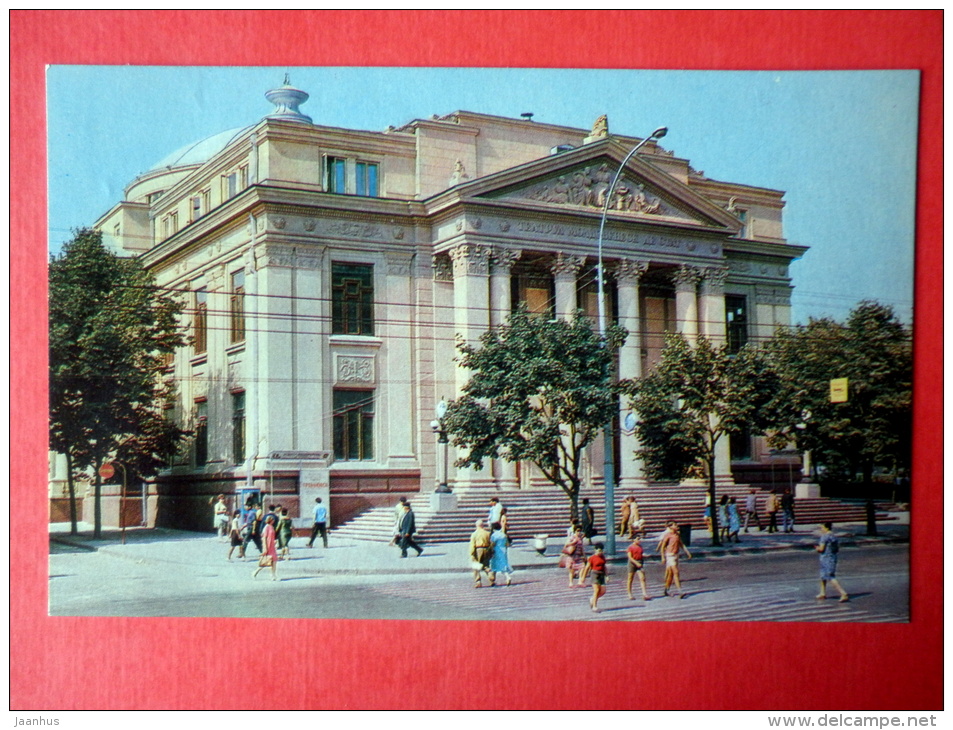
[200, 152]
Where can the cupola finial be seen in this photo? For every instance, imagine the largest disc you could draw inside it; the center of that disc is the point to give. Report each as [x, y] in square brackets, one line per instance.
[286, 99]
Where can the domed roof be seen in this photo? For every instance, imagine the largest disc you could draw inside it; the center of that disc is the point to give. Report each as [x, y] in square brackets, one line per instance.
[202, 151]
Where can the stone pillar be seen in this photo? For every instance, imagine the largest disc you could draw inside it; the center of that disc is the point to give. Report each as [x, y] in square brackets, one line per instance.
[565, 271]
[686, 302]
[501, 266]
[712, 316]
[628, 273]
[471, 268]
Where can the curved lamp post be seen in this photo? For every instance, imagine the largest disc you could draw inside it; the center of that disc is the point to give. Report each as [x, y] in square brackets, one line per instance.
[608, 473]
[441, 433]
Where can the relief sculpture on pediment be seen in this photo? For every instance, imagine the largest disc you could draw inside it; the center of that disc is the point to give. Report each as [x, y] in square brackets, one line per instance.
[588, 187]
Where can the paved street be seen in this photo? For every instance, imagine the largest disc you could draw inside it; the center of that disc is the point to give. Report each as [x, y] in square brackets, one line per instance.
[181, 574]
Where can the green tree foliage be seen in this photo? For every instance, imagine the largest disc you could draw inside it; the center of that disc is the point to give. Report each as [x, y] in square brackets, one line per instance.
[110, 329]
[697, 395]
[541, 391]
[873, 350]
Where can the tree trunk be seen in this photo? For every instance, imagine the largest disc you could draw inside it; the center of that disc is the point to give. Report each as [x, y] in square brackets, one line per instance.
[715, 541]
[868, 472]
[72, 493]
[97, 504]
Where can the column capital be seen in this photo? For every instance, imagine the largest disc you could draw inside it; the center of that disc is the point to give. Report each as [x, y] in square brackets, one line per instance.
[713, 279]
[502, 259]
[470, 259]
[442, 268]
[630, 270]
[567, 265]
[686, 278]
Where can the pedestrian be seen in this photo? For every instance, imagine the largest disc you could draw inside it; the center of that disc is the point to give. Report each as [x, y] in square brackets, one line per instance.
[597, 566]
[480, 552]
[398, 516]
[251, 528]
[636, 567]
[707, 513]
[787, 510]
[734, 520]
[235, 535]
[505, 524]
[320, 525]
[574, 525]
[828, 547]
[624, 516]
[751, 509]
[269, 556]
[220, 517]
[407, 529]
[274, 512]
[496, 511]
[574, 556]
[723, 517]
[588, 520]
[499, 559]
[669, 547]
[771, 509]
[285, 532]
[635, 523]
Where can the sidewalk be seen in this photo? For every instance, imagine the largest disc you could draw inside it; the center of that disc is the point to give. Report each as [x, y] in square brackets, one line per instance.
[162, 545]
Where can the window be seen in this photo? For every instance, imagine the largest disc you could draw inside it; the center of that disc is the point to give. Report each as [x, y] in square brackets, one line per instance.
[743, 217]
[740, 443]
[736, 322]
[196, 207]
[238, 427]
[237, 306]
[201, 433]
[170, 224]
[537, 290]
[352, 299]
[335, 177]
[353, 425]
[366, 174]
[230, 185]
[200, 322]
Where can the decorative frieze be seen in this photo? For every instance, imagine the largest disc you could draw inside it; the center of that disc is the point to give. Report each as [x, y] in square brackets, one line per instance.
[588, 187]
[442, 268]
[398, 264]
[774, 295]
[470, 260]
[284, 256]
[350, 369]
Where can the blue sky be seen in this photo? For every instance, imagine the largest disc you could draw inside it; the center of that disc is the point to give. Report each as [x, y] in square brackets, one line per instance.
[841, 144]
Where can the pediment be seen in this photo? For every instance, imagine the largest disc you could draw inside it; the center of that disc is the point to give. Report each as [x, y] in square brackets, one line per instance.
[577, 181]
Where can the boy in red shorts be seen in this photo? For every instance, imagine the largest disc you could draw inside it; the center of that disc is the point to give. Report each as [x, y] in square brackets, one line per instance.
[634, 553]
[597, 566]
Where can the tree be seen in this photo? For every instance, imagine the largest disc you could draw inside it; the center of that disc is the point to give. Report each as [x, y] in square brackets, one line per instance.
[695, 396]
[873, 428]
[541, 391]
[110, 330]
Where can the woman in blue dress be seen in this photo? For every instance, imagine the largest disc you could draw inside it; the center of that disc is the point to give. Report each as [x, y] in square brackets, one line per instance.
[734, 520]
[828, 547]
[500, 561]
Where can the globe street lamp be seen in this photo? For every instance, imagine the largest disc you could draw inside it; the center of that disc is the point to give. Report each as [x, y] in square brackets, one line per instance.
[441, 433]
[608, 473]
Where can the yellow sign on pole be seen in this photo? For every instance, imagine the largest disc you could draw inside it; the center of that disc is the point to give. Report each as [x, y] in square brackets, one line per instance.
[839, 390]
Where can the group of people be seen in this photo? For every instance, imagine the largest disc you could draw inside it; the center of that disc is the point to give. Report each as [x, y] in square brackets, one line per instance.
[730, 519]
[579, 567]
[489, 548]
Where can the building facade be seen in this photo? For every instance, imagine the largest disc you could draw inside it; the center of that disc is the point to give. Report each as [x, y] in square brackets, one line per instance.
[329, 272]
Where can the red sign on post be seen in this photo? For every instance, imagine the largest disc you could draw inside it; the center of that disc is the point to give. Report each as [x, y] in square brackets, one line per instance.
[107, 470]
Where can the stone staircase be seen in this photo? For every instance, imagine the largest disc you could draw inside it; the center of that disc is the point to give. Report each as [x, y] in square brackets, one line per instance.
[545, 511]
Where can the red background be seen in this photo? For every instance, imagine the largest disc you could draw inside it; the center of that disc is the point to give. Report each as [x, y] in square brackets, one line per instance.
[64, 663]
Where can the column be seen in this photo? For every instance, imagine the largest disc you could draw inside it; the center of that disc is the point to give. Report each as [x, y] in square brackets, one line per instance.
[396, 388]
[501, 266]
[686, 302]
[712, 316]
[471, 303]
[565, 272]
[628, 273]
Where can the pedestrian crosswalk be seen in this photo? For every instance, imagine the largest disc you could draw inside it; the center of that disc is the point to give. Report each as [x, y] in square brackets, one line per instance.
[545, 595]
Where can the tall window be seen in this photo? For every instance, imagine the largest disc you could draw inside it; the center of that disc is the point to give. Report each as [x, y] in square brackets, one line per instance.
[196, 207]
[200, 322]
[736, 322]
[352, 299]
[353, 425]
[237, 306]
[537, 290]
[743, 217]
[238, 427]
[234, 182]
[201, 432]
[336, 179]
[366, 174]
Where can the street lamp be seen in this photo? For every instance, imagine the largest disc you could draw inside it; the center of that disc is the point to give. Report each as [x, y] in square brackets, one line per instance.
[608, 471]
[441, 433]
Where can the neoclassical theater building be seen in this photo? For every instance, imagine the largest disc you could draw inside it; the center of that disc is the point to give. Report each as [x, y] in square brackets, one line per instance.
[329, 272]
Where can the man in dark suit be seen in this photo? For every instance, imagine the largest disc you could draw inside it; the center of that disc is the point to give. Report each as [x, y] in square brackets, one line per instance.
[407, 529]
